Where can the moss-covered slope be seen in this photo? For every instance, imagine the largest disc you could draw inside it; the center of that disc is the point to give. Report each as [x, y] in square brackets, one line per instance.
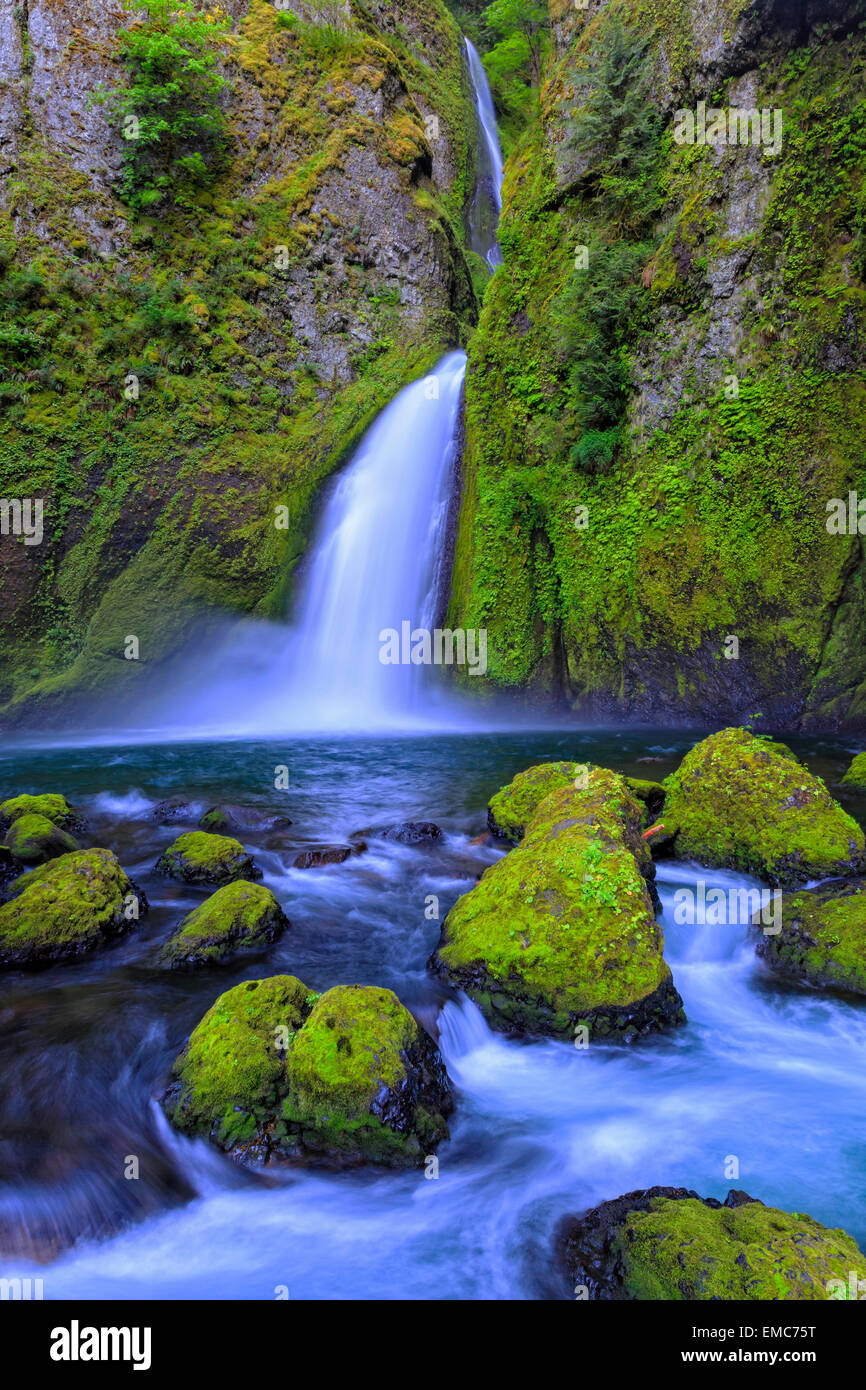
[667, 387]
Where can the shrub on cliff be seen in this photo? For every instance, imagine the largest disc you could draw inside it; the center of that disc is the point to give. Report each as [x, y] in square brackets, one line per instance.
[170, 112]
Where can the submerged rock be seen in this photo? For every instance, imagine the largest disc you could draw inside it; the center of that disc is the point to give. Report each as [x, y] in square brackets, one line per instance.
[326, 854]
[220, 819]
[67, 907]
[242, 916]
[667, 1243]
[854, 777]
[561, 932]
[822, 937]
[173, 812]
[737, 802]
[275, 1071]
[34, 839]
[51, 805]
[410, 832]
[201, 858]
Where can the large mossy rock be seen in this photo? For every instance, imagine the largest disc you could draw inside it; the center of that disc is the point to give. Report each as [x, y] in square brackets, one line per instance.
[66, 908]
[241, 916]
[513, 805]
[737, 802]
[34, 839]
[510, 810]
[201, 858]
[51, 805]
[666, 1243]
[275, 1071]
[855, 775]
[561, 932]
[823, 936]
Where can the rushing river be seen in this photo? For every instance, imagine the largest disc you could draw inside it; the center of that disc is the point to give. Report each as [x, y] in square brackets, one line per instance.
[772, 1075]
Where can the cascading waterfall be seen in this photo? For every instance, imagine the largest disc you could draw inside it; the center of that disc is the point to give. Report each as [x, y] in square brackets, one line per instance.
[377, 562]
[487, 203]
[375, 565]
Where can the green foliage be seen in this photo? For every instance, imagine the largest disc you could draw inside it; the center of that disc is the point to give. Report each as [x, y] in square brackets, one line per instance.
[514, 62]
[170, 113]
[604, 307]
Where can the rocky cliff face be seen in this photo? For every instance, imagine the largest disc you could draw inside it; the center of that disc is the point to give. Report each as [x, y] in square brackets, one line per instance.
[678, 563]
[264, 328]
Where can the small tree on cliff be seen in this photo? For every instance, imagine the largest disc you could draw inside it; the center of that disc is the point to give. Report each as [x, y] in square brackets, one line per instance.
[170, 113]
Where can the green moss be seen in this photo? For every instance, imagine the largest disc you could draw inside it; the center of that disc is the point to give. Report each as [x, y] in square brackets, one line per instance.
[627, 605]
[161, 511]
[241, 915]
[68, 906]
[197, 857]
[822, 937]
[562, 930]
[348, 1074]
[52, 806]
[353, 1047]
[512, 806]
[684, 1250]
[740, 803]
[33, 839]
[854, 777]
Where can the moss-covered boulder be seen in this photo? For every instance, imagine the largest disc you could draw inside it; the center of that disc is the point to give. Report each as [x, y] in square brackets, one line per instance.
[66, 908]
[666, 1243]
[513, 805]
[51, 805]
[34, 839]
[822, 938]
[737, 802]
[242, 916]
[856, 773]
[198, 857]
[561, 932]
[274, 1071]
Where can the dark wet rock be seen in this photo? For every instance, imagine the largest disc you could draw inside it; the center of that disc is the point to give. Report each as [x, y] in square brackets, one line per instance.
[173, 812]
[663, 1243]
[318, 857]
[201, 858]
[227, 818]
[242, 916]
[410, 832]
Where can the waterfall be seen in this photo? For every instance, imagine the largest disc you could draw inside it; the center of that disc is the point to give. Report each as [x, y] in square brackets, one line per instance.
[375, 562]
[487, 203]
[378, 561]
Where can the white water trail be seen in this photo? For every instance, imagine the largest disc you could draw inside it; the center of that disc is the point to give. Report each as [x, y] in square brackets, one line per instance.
[487, 204]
